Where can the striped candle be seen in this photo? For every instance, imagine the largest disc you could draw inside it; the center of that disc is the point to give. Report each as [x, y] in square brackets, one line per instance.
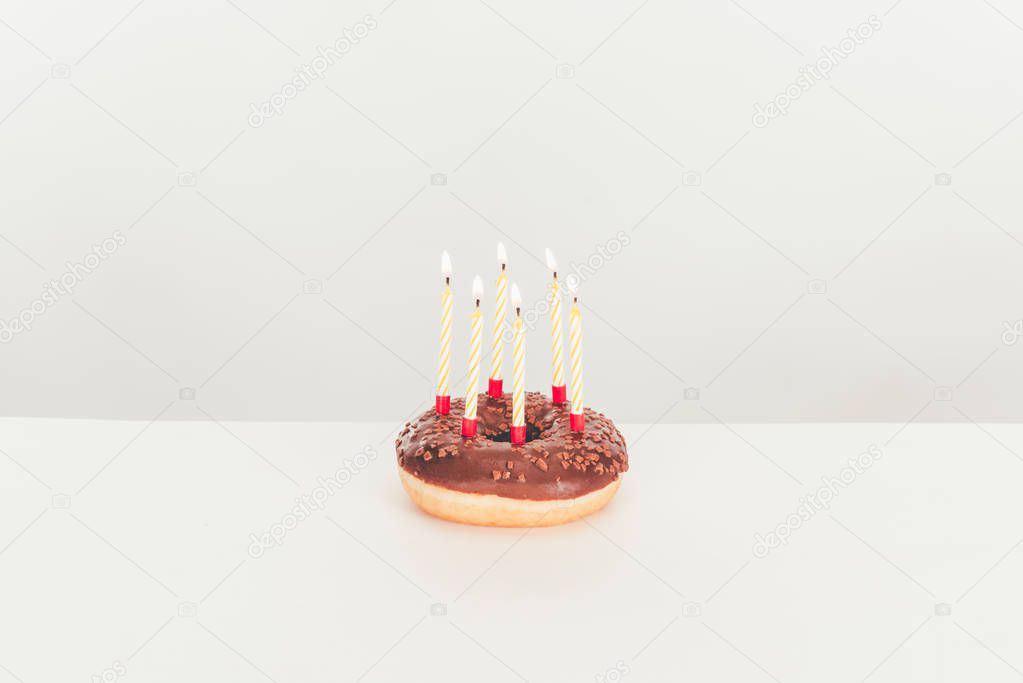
[475, 351]
[557, 352]
[518, 424]
[443, 402]
[575, 360]
[495, 387]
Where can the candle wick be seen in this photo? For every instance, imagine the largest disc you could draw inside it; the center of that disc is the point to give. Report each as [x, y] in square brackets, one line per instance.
[575, 299]
[447, 280]
[518, 311]
[503, 266]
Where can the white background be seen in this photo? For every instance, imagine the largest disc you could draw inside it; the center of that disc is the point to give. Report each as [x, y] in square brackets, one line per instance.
[813, 269]
[111, 110]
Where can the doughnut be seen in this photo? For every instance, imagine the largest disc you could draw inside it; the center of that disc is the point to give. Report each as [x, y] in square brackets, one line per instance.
[557, 476]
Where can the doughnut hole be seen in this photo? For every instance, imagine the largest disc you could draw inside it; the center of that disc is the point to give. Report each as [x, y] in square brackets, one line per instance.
[532, 432]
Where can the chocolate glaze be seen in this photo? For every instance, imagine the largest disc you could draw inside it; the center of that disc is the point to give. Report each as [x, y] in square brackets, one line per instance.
[554, 463]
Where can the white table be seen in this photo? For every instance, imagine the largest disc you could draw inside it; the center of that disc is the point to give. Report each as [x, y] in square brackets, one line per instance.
[125, 551]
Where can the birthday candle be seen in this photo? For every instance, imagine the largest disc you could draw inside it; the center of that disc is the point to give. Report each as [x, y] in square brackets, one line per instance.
[496, 385]
[518, 425]
[443, 403]
[558, 363]
[475, 351]
[575, 360]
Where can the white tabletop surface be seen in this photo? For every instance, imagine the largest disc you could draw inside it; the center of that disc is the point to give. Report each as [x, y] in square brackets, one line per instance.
[125, 554]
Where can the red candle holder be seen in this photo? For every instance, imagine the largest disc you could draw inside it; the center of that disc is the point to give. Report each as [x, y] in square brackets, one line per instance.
[495, 389]
[518, 434]
[559, 395]
[469, 427]
[443, 405]
[577, 422]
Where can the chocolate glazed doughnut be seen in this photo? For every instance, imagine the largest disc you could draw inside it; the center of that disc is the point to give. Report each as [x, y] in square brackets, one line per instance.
[557, 476]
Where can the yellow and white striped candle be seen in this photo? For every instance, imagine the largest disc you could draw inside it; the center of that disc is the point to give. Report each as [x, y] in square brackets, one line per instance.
[518, 424]
[557, 352]
[497, 346]
[444, 361]
[475, 350]
[575, 351]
